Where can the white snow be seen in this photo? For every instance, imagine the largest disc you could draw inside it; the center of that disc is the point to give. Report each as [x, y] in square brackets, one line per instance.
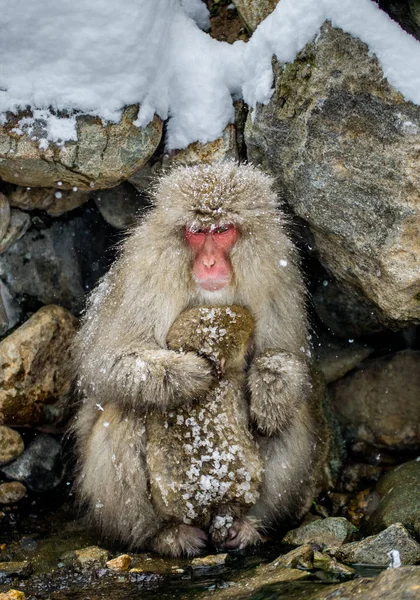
[395, 559]
[96, 57]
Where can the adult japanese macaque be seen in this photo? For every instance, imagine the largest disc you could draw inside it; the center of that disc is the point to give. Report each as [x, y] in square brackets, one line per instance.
[215, 237]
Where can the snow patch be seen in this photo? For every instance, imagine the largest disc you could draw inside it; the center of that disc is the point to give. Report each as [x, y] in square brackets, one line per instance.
[96, 57]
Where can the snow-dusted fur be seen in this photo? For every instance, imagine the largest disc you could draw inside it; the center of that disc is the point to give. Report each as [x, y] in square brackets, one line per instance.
[124, 367]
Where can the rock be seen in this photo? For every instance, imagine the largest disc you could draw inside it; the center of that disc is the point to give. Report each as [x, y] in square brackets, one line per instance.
[143, 178]
[14, 569]
[299, 558]
[248, 585]
[103, 156]
[10, 311]
[344, 311]
[11, 444]
[12, 492]
[399, 499]
[18, 225]
[356, 475]
[332, 531]
[224, 148]
[212, 560]
[91, 555]
[54, 262]
[120, 563]
[329, 565]
[12, 595]
[55, 201]
[40, 466]
[405, 12]
[376, 549]
[121, 206]
[322, 136]
[335, 359]
[255, 11]
[392, 584]
[4, 215]
[378, 404]
[33, 362]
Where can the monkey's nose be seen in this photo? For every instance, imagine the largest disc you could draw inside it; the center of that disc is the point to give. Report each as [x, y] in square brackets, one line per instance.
[209, 262]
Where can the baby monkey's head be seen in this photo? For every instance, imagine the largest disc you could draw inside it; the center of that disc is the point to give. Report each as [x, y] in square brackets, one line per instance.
[223, 334]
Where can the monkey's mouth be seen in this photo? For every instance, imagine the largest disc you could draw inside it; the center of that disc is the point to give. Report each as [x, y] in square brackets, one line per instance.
[212, 285]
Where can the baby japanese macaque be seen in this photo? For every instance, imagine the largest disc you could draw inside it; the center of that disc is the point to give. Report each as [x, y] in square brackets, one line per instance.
[204, 465]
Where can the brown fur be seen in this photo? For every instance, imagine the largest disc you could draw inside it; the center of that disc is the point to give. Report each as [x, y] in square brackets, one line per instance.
[202, 458]
[125, 368]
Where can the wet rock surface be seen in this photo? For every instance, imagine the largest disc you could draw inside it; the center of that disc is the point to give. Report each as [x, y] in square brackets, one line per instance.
[54, 261]
[378, 404]
[121, 206]
[377, 550]
[55, 201]
[103, 155]
[40, 466]
[397, 494]
[33, 361]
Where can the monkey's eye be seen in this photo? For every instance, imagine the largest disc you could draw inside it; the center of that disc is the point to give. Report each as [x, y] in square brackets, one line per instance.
[223, 228]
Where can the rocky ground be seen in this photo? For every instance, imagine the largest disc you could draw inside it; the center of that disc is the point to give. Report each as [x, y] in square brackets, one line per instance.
[344, 148]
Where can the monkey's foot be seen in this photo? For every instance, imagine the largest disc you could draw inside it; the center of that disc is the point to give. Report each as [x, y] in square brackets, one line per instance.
[241, 533]
[179, 540]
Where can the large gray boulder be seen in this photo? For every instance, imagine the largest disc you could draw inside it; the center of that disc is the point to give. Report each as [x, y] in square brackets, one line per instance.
[343, 145]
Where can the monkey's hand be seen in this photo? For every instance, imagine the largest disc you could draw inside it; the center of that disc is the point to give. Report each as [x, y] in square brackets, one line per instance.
[279, 384]
[160, 378]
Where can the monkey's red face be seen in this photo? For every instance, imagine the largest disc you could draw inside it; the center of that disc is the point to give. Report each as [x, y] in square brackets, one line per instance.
[212, 269]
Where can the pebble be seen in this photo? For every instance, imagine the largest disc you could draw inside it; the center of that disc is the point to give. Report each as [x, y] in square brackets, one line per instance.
[90, 555]
[11, 444]
[12, 595]
[212, 560]
[120, 563]
[12, 492]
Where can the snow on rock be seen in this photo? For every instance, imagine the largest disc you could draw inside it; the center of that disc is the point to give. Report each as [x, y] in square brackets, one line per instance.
[97, 57]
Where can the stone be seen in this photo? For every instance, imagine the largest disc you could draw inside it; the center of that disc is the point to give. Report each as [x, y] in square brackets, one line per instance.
[121, 206]
[330, 565]
[392, 584]
[55, 262]
[376, 549]
[299, 558]
[335, 359]
[55, 201]
[40, 466]
[378, 403]
[356, 475]
[12, 492]
[33, 362]
[120, 563]
[12, 595]
[332, 531]
[211, 560]
[398, 492]
[14, 569]
[224, 148]
[10, 310]
[91, 556]
[344, 311]
[4, 215]
[405, 12]
[11, 444]
[322, 136]
[254, 11]
[18, 225]
[103, 156]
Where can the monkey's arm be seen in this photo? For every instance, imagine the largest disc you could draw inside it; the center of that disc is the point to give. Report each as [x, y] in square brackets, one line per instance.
[278, 383]
[146, 378]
